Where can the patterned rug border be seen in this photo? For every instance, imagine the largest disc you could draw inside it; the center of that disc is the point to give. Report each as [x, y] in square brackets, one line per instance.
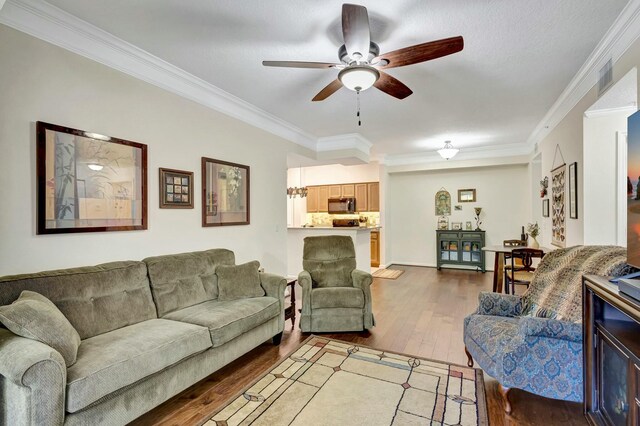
[483, 415]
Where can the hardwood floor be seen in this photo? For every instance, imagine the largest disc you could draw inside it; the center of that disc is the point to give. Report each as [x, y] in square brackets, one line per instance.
[420, 313]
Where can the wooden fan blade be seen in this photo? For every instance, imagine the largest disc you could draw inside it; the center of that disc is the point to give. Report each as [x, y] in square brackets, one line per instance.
[421, 52]
[392, 86]
[298, 64]
[329, 90]
[355, 30]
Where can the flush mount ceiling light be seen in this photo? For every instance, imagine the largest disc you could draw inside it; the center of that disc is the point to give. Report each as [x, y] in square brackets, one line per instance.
[358, 77]
[448, 151]
[95, 166]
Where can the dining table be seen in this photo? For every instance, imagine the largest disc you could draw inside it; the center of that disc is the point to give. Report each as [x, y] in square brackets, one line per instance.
[498, 265]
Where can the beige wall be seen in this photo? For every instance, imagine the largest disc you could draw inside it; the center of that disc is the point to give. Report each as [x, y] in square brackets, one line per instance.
[411, 223]
[41, 82]
[568, 135]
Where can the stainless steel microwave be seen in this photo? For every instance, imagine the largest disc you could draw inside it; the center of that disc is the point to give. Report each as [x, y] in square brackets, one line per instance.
[342, 205]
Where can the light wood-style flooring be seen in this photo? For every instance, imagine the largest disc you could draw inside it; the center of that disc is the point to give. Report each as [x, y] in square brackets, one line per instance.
[420, 313]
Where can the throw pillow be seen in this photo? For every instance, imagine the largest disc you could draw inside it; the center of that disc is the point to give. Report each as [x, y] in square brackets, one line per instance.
[35, 317]
[239, 281]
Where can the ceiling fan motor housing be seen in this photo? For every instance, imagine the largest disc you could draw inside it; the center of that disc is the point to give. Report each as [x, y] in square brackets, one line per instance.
[374, 51]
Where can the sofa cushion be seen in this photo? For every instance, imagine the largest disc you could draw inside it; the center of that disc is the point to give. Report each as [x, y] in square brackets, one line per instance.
[35, 317]
[95, 299]
[337, 297]
[185, 279]
[239, 281]
[227, 320]
[119, 358]
[495, 337]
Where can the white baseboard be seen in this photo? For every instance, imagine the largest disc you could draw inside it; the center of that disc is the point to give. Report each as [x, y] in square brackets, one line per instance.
[430, 265]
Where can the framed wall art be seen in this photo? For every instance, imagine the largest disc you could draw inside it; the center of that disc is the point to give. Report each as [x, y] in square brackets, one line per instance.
[456, 226]
[176, 189]
[443, 203]
[468, 226]
[443, 223]
[545, 208]
[558, 219]
[225, 193]
[87, 182]
[466, 195]
[573, 190]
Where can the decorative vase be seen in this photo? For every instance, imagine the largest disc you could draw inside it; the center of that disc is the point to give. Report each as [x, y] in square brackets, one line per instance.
[534, 243]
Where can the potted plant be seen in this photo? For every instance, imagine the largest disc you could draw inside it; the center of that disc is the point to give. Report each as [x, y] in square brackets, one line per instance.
[533, 230]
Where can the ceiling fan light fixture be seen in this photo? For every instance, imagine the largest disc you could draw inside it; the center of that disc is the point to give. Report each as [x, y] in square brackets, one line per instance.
[358, 77]
[448, 151]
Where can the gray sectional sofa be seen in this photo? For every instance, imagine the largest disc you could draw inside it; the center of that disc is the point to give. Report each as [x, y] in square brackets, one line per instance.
[148, 330]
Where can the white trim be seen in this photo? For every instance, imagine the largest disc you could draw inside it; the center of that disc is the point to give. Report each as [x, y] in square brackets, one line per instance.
[493, 151]
[346, 141]
[610, 111]
[620, 36]
[51, 24]
[445, 266]
[621, 183]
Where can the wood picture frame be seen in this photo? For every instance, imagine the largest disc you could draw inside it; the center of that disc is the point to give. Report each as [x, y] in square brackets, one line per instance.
[456, 226]
[176, 189]
[467, 195]
[88, 182]
[225, 193]
[573, 190]
[545, 208]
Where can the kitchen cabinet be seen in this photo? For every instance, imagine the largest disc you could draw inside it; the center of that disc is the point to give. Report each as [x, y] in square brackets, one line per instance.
[373, 197]
[348, 190]
[361, 197]
[312, 199]
[335, 191]
[375, 248]
[460, 248]
[323, 199]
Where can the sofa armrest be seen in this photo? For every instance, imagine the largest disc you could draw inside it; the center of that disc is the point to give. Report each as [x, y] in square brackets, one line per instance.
[274, 285]
[37, 378]
[363, 280]
[551, 328]
[501, 305]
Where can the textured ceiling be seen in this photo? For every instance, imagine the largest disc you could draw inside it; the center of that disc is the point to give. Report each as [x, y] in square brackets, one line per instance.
[519, 55]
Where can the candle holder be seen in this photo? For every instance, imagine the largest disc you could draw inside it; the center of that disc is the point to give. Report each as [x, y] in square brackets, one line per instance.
[478, 210]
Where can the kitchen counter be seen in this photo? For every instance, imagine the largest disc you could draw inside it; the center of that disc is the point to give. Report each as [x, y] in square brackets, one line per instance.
[361, 240]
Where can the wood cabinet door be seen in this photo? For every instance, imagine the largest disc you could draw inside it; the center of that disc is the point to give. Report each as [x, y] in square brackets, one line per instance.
[361, 197]
[335, 191]
[373, 197]
[323, 199]
[349, 190]
[312, 199]
[375, 248]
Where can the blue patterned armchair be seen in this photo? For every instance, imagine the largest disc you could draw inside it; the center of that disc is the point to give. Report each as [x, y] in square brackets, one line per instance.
[534, 342]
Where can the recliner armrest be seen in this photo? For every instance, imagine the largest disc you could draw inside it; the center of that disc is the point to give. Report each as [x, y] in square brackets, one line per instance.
[34, 365]
[551, 328]
[501, 305]
[363, 280]
[304, 280]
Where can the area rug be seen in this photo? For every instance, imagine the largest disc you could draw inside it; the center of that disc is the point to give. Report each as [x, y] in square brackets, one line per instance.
[330, 382]
[390, 274]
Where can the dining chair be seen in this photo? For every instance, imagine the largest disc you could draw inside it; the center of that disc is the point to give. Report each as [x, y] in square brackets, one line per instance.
[521, 269]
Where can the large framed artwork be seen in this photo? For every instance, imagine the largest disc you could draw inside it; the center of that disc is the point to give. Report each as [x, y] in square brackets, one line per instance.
[87, 182]
[573, 190]
[225, 193]
[558, 217]
[176, 189]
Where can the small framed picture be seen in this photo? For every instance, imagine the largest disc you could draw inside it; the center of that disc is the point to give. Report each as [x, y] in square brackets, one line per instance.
[468, 226]
[545, 208]
[466, 195]
[456, 226]
[458, 207]
[176, 189]
[443, 223]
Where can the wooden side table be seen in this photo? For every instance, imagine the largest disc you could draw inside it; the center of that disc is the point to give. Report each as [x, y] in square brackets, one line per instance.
[290, 311]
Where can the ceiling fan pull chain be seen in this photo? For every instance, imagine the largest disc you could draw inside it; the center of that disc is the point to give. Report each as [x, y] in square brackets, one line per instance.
[358, 107]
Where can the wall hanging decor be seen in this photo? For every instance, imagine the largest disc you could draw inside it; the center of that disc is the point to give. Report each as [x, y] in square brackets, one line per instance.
[468, 226]
[457, 207]
[478, 210]
[443, 202]
[176, 189]
[558, 220]
[87, 182]
[466, 195]
[573, 190]
[544, 184]
[443, 223]
[545, 208]
[456, 226]
[225, 193]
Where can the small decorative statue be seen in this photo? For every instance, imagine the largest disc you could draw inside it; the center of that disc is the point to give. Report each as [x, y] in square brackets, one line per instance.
[534, 231]
[544, 184]
[478, 223]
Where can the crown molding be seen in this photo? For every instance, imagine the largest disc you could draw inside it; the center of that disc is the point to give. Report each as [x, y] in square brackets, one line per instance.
[620, 36]
[466, 154]
[53, 25]
[346, 141]
[609, 111]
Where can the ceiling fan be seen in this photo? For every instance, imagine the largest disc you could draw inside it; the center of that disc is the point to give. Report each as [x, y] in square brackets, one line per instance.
[361, 63]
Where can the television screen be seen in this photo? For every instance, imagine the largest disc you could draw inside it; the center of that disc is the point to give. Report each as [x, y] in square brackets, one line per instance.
[633, 193]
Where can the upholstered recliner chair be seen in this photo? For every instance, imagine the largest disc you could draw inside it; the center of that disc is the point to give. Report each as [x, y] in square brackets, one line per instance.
[335, 295]
[534, 342]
